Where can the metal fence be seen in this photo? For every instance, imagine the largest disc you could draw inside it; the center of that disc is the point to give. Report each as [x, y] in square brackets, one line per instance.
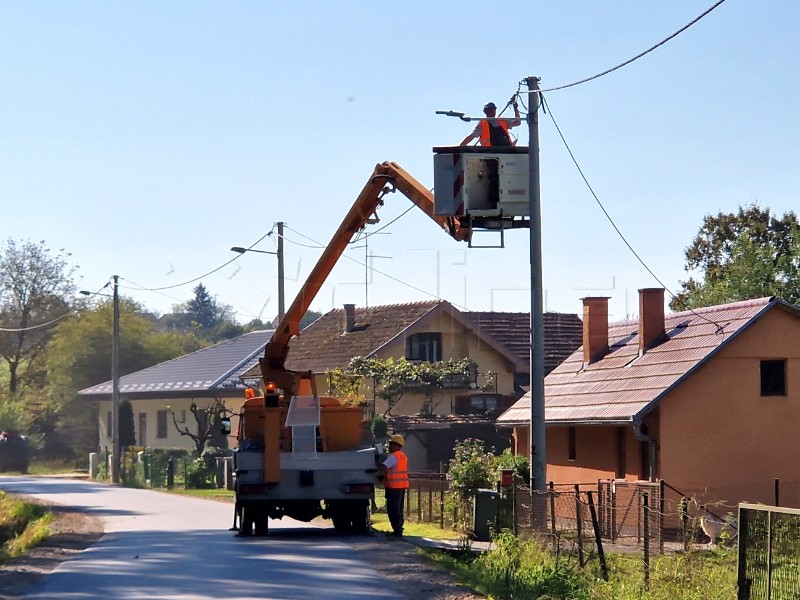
[769, 553]
[167, 469]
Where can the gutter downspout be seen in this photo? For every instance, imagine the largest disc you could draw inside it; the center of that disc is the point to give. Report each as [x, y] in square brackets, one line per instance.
[652, 445]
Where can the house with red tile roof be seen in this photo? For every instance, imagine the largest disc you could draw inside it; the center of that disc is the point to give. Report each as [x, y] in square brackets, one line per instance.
[431, 331]
[707, 400]
[434, 330]
[498, 343]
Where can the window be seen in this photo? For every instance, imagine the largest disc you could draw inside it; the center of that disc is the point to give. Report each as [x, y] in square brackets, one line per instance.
[773, 377]
[142, 429]
[109, 425]
[621, 455]
[572, 450]
[424, 346]
[161, 424]
[478, 404]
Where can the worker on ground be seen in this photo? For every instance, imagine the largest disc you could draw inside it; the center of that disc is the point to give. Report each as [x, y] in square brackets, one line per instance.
[492, 131]
[395, 481]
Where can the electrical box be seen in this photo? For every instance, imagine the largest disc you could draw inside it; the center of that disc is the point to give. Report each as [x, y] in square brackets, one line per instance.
[481, 181]
[487, 506]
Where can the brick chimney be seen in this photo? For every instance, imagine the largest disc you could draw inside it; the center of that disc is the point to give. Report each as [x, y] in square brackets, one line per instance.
[350, 317]
[595, 328]
[651, 318]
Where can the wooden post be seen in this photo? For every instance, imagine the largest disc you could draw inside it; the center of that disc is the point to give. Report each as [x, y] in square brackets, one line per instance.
[596, 526]
[742, 583]
[684, 514]
[441, 502]
[646, 534]
[661, 516]
[579, 523]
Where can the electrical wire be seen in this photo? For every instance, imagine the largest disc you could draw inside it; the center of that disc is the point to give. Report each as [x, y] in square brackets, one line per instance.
[40, 326]
[638, 56]
[316, 244]
[379, 272]
[610, 220]
[211, 272]
[48, 323]
[140, 288]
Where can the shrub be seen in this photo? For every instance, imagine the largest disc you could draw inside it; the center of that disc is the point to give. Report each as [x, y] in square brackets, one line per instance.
[519, 464]
[472, 468]
[522, 569]
[379, 427]
[198, 475]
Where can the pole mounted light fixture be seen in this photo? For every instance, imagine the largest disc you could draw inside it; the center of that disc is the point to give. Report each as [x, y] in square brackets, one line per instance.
[279, 254]
[115, 448]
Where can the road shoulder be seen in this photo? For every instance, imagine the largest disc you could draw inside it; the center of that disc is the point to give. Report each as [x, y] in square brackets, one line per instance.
[72, 532]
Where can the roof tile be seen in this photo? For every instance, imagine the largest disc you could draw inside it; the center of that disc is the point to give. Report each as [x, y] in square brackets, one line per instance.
[622, 384]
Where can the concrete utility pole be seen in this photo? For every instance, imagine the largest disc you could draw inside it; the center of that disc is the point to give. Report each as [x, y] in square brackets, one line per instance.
[538, 443]
[281, 306]
[279, 253]
[115, 452]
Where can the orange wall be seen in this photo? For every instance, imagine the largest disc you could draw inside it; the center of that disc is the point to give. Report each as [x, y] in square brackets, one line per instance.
[596, 454]
[722, 441]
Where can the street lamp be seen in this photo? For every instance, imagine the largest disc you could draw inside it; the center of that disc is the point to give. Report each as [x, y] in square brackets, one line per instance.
[279, 254]
[115, 450]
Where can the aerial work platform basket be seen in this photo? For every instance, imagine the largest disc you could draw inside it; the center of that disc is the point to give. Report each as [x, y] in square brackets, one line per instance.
[487, 185]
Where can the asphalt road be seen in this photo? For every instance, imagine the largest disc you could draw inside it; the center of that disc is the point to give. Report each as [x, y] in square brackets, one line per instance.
[164, 546]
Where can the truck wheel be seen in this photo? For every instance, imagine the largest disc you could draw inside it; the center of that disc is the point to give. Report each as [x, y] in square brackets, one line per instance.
[351, 516]
[341, 522]
[262, 524]
[246, 521]
[360, 516]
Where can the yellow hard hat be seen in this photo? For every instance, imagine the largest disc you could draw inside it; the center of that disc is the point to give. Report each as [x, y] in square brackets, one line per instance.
[397, 439]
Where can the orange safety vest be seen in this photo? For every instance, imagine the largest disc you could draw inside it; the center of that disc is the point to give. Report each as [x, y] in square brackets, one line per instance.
[397, 478]
[486, 136]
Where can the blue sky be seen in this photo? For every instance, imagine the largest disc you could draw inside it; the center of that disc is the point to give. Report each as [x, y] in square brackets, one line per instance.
[148, 138]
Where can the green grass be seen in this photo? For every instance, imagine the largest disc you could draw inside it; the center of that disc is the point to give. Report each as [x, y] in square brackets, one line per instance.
[22, 526]
[380, 522]
[212, 494]
[516, 568]
[53, 467]
[703, 575]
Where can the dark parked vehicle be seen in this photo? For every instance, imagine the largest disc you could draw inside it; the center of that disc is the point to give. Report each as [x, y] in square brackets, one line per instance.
[15, 452]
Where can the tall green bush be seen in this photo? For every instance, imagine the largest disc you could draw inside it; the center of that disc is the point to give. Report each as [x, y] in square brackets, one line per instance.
[472, 468]
[127, 430]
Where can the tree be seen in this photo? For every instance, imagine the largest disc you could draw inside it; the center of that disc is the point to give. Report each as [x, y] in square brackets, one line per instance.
[79, 356]
[35, 290]
[204, 316]
[743, 255]
[203, 308]
[308, 318]
[127, 428]
[80, 352]
[207, 419]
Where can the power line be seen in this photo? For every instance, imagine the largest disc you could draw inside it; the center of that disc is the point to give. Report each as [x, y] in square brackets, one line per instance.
[40, 326]
[379, 272]
[56, 320]
[638, 56]
[211, 272]
[608, 216]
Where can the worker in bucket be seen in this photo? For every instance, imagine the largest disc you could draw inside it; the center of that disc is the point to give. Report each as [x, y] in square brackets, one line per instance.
[492, 131]
[395, 481]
